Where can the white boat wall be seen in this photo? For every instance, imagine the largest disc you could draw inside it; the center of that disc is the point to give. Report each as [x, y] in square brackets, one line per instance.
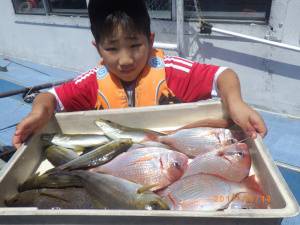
[269, 75]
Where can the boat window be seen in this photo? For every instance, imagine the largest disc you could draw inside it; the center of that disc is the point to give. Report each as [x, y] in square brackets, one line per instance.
[257, 10]
[29, 6]
[68, 6]
[219, 10]
[65, 7]
[160, 9]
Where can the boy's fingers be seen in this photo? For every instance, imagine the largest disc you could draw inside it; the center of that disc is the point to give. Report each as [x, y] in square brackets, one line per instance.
[23, 130]
[16, 141]
[259, 126]
[250, 131]
[261, 130]
[26, 126]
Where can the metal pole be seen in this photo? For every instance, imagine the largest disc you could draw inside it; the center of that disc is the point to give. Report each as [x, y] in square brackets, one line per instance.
[261, 40]
[46, 7]
[180, 27]
[33, 88]
[165, 45]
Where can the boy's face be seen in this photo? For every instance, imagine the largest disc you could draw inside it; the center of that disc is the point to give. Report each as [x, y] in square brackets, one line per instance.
[125, 54]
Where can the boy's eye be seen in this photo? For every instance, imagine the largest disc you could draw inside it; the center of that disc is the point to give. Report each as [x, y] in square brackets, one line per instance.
[111, 49]
[135, 45]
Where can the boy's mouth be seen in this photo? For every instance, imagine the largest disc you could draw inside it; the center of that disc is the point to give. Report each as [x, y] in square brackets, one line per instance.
[127, 70]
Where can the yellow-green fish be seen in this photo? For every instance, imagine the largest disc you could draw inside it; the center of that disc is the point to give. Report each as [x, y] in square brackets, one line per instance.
[118, 193]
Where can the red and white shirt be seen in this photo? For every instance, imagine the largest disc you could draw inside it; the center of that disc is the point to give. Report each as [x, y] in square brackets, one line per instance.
[190, 81]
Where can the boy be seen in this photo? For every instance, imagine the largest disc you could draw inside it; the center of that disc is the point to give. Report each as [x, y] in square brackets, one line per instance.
[132, 73]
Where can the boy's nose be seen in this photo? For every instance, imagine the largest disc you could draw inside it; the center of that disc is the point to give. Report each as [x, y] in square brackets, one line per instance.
[125, 59]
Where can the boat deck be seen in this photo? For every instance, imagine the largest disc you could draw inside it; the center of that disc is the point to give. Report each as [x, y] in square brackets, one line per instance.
[282, 139]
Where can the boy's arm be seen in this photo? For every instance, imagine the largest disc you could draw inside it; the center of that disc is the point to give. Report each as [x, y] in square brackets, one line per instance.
[242, 114]
[42, 110]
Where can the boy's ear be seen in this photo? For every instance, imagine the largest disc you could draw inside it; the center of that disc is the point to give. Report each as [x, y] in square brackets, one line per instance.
[152, 35]
[96, 46]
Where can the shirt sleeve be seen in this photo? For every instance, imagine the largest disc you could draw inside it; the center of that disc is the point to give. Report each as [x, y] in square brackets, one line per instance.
[79, 94]
[191, 81]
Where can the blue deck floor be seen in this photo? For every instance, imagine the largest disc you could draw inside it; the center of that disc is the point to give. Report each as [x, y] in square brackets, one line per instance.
[282, 139]
[22, 74]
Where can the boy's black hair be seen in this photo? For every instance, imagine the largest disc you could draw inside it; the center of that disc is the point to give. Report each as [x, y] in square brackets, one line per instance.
[106, 15]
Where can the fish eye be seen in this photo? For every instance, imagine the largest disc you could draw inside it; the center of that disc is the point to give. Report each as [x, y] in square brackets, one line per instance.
[153, 206]
[240, 153]
[233, 153]
[176, 165]
[232, 141]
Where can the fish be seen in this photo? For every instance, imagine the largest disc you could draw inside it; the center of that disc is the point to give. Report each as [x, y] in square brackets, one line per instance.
[78, 142]
[209, 122]
[98, 156]
[206, 192]
[231, 162]
[59, 179]
[117, 193]
[198, 141]
[45, 198]
[148, 144]
[147, 166]
[58, 155]
[250, 200]
[115, 131]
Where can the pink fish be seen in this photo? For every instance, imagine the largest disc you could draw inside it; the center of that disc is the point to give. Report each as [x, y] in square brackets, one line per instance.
[206, 192]
[147, 166]
[146, 144]
[230, 162]
[196, 141]
[250, 200]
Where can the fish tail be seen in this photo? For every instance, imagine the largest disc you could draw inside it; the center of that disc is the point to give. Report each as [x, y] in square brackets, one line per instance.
[47, 137]
[251, 183]
[152, 137]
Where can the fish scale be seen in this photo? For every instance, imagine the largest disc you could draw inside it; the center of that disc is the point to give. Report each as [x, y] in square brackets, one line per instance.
[118, 193]
[206, 192]
[147, 166]
[231, 162]
[196, 141]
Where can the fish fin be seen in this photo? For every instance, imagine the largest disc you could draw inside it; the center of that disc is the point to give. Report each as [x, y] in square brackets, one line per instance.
[209, 122]
[146, 188]
[52, 196]
[142, 159]
[168, 132]
[78, 149]
[172, 199]
[251, 183]
[233, 197]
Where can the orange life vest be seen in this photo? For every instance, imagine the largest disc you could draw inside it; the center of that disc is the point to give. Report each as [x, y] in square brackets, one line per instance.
[150, 85]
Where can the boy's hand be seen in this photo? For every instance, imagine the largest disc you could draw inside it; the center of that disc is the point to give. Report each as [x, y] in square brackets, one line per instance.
[42, 110]
[242, 114]
[29, 125]
[247, 118]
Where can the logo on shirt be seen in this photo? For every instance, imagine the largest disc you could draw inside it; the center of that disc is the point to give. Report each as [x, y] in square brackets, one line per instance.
[156, 62]
[102, 72]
